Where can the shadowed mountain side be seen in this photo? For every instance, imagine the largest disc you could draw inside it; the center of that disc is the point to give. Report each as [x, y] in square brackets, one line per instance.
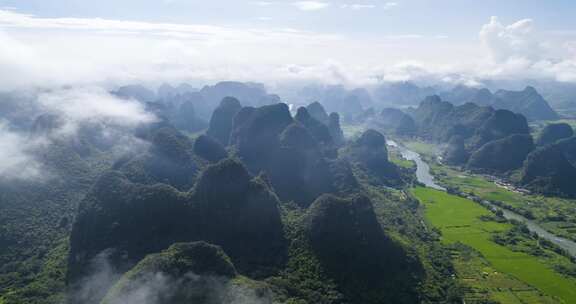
[209, 149]
[169, 160]
[227, 207]
[553, 133]
[455, 152]
[222, 119]
[256, 132]
[440, 120]
[395, 121]
[300, 165]
[368, 266]
[370, 153]
[501, 123]
[547, 171]
[335, 129]
[503, 154]
[568, 147]
[317, 111]
[318, 129]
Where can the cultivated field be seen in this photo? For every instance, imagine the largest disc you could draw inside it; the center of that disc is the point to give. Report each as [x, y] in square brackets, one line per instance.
[459, 221]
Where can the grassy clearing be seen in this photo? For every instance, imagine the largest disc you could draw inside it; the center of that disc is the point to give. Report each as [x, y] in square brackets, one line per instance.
[483, 283]
[459, 222]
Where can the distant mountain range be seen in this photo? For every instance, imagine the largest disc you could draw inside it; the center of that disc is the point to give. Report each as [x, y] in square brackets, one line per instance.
[527, 102]
[354, 103]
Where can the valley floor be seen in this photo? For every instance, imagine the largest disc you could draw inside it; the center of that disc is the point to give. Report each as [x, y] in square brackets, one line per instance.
[498, 272]
[494, 259]
[557, 215]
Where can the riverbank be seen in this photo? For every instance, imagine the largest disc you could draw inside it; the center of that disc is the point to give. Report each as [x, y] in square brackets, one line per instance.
[553, 214]
[463, 221]
[510, 250]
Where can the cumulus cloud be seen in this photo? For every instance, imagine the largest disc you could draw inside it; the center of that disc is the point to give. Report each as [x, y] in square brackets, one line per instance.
[311, 5]
[520, 50]
[516, 40]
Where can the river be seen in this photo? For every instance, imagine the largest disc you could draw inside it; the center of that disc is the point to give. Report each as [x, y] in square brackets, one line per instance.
[424, 176]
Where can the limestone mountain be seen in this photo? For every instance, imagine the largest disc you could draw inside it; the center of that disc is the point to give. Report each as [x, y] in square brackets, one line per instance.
[169, 159]
[568, 148]
[317, 111]
[546, 170]
[209, 149]
[346, 236]
[369, 151]
[455, 152]
[502, 155]
[128, 220]
[195, 272]
[528, 102]
[318, 129]
[554, 132]
[395, 121]
[335, 129]
[222, 119]
[500, 124]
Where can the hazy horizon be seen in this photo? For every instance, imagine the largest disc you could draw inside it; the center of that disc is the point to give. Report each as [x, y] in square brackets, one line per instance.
[355, 43]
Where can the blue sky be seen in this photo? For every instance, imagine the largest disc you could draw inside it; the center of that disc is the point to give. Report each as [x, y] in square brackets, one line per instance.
[456, 18]
[348, 39]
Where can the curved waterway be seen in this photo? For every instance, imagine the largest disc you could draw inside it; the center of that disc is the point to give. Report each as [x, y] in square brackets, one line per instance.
[423, 176]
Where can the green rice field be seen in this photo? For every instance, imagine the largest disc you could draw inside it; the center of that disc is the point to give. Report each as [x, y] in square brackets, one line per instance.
[458, 220]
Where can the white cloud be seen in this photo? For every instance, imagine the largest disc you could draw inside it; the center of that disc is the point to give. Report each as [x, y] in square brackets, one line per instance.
[48, 52]
[311, 5]
[520, 51]
[113, 118]
[389, 5]
[358, 6]
[263, 3]
[93, 104]
[516, 40]
[16, 155]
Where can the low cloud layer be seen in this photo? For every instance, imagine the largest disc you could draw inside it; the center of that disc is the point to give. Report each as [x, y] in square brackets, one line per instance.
[16, 154]
[114, 118]
[93, 104]
[158, 287]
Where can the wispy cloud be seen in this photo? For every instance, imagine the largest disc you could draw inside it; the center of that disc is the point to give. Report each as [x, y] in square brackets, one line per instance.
[362, 6]
[389, 5]
[263, 3]
[311, 5]
[358, 6]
